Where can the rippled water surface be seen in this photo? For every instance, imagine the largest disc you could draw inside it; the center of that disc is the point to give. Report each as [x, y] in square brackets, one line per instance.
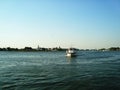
[90, 70]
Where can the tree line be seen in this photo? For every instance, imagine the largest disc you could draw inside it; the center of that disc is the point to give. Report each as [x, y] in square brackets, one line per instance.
[33, 49]
[53, 49]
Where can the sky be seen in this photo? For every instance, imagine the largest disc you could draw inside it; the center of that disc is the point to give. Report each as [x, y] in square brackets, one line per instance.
[84, 24]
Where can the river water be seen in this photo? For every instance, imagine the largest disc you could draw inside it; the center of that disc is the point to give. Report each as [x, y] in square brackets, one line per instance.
[90, 70]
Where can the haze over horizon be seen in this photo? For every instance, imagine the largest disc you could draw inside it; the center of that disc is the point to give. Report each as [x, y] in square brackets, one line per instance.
[51, 23]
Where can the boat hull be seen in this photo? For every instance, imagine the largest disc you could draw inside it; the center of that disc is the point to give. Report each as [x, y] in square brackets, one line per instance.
[70, 55]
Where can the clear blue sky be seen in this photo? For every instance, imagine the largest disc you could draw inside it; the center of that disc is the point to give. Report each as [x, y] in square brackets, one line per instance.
[65, 23]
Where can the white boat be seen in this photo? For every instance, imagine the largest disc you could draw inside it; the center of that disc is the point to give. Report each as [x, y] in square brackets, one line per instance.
[71, 52]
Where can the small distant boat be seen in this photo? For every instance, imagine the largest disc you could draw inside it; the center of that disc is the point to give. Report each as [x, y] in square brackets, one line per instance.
[70, 52]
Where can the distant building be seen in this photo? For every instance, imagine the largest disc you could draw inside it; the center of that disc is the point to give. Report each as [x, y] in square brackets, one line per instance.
[38, 48]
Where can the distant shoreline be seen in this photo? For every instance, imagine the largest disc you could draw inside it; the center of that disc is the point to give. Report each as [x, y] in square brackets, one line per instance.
[29, 49]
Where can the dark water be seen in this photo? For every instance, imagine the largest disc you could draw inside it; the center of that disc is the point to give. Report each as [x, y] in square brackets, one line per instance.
[90, 70]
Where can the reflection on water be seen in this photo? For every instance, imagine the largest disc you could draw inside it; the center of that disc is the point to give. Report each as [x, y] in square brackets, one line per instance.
[54, 71]
[71, 60]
